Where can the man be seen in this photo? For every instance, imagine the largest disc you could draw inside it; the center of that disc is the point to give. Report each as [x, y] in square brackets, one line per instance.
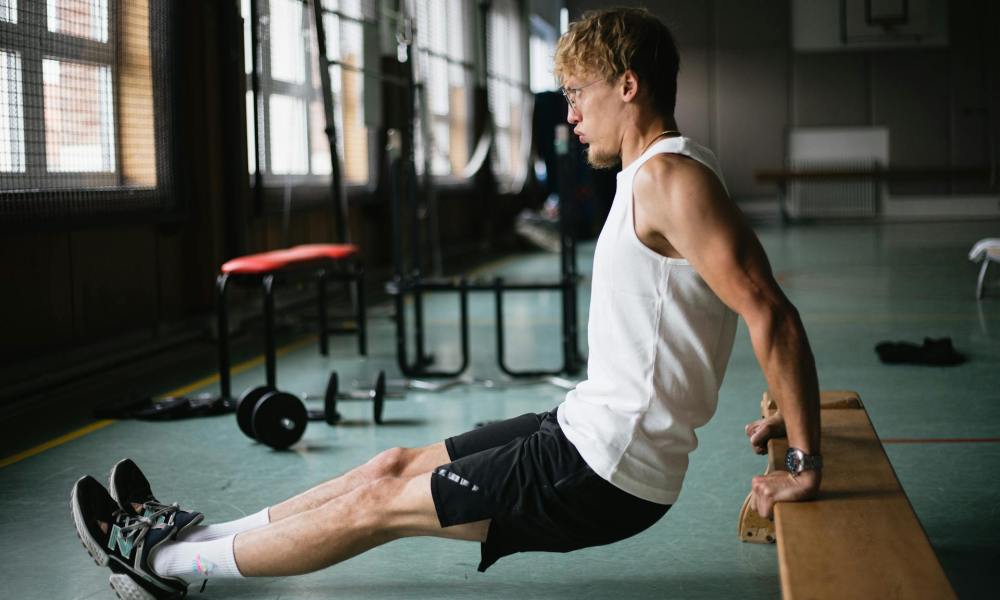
[674, 266]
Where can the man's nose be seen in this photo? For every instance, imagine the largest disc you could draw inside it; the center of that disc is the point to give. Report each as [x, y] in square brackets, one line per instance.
[572, 116]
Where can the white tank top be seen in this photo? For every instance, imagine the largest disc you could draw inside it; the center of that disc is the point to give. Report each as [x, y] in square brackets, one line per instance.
[659, 341]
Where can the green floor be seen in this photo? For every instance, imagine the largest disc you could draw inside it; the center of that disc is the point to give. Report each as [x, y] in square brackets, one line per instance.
[854, 285]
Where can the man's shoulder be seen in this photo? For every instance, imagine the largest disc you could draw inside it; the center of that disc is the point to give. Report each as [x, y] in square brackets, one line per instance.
[671, 176]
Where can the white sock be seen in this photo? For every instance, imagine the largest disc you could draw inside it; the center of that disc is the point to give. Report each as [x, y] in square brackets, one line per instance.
[205, 533]
[196, 561]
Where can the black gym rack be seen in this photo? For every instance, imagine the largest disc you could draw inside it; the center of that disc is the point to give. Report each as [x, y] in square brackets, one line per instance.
[412, 282]
[402, 183]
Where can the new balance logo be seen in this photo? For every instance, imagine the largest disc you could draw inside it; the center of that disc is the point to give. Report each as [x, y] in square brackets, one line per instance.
[122, 541]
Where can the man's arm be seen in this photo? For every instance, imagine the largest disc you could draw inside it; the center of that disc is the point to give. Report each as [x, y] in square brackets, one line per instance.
[683, 201]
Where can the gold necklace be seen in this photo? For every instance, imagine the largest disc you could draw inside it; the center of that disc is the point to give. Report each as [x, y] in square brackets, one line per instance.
[656, 137]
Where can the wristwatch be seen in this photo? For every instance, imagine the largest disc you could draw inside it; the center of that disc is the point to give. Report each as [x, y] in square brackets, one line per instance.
[797, 461]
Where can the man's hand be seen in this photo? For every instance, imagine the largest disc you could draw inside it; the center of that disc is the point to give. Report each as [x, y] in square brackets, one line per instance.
[761, 430]
[781, 486]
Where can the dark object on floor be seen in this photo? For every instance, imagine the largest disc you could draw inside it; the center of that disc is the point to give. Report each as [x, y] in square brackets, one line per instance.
[934, 352]
[166, 409]
[278, 419]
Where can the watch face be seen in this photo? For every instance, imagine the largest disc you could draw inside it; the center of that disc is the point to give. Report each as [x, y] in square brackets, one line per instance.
[793, 461]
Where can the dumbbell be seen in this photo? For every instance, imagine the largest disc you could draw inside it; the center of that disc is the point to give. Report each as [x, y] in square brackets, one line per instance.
[278, 419]
[376, 395]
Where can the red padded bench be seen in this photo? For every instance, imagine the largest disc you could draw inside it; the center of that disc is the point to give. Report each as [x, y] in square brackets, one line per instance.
[324, 262]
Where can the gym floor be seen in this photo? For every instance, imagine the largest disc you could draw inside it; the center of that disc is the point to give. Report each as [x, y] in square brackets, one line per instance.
[854, 284]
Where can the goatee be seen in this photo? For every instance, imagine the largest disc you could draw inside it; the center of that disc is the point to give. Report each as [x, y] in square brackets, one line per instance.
[598, 160]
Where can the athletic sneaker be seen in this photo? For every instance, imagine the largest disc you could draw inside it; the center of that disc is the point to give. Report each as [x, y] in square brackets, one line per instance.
[130, 489]
[123, 541]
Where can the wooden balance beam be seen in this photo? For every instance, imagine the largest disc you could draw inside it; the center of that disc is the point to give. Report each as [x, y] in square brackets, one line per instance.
[860, 538]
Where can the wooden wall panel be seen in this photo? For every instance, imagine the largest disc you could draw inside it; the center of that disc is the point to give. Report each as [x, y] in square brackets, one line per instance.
[36, 306]
[115, 282]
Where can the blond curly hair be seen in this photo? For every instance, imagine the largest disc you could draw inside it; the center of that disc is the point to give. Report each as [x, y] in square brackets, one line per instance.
[608, 42]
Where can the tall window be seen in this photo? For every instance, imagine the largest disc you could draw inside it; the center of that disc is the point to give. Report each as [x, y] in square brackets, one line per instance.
[293, 146]
[541, 54]
[446, 72]
[506, 86]
[76, 96]
[351, 27]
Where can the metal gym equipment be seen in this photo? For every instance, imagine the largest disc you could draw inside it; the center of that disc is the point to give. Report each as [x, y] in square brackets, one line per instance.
[404, 37]
[265, 413]
[411, 282]
[278, 419]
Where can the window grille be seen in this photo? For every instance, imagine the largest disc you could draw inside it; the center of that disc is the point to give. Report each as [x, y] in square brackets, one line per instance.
[506, 86]
[288, 142]
[85, 110]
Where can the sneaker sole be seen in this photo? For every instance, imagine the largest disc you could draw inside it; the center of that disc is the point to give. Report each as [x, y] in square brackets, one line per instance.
[93, 548]
[127, 589]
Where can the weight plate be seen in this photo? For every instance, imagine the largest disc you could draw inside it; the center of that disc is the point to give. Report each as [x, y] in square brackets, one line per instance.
[244, 409]
[330, 399]
[279, 420]
[378, 397]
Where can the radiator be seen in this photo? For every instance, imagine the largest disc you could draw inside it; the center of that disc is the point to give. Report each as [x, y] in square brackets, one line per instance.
[833, 198]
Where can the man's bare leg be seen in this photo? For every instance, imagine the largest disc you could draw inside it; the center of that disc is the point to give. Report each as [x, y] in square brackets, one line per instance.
[394, 463]
[373, 514]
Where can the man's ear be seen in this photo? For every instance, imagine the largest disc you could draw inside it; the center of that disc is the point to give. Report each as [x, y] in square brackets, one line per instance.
[629, 86]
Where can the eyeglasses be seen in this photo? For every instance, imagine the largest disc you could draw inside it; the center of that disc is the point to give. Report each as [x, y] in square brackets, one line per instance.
[571, 94]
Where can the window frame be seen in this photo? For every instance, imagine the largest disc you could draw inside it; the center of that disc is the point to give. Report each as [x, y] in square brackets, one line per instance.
[71, 205]
[468, 66]
[508, 180]
[33, 25]
[310, 190]
[267, 86]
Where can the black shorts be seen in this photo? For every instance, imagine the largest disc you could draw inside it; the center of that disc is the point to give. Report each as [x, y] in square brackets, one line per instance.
[540, 494]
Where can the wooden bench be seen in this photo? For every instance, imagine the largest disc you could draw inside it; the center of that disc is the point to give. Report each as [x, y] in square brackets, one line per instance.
[860, 538]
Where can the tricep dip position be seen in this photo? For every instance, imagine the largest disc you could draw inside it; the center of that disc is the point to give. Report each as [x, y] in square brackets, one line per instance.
[674, 267]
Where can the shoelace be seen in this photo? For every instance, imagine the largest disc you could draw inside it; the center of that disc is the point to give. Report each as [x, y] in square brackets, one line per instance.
[139, 525]
[130, 524]
[159, 508]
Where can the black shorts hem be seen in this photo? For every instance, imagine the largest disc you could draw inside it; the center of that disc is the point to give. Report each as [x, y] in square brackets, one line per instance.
[488, 556]
[449, 447]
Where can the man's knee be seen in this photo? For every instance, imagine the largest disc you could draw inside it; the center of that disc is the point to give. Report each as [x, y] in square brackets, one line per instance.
[402, 462]
[390, 463]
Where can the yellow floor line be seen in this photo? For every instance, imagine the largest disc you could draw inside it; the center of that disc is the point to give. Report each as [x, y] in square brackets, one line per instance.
[56, 442]
[243, 366]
